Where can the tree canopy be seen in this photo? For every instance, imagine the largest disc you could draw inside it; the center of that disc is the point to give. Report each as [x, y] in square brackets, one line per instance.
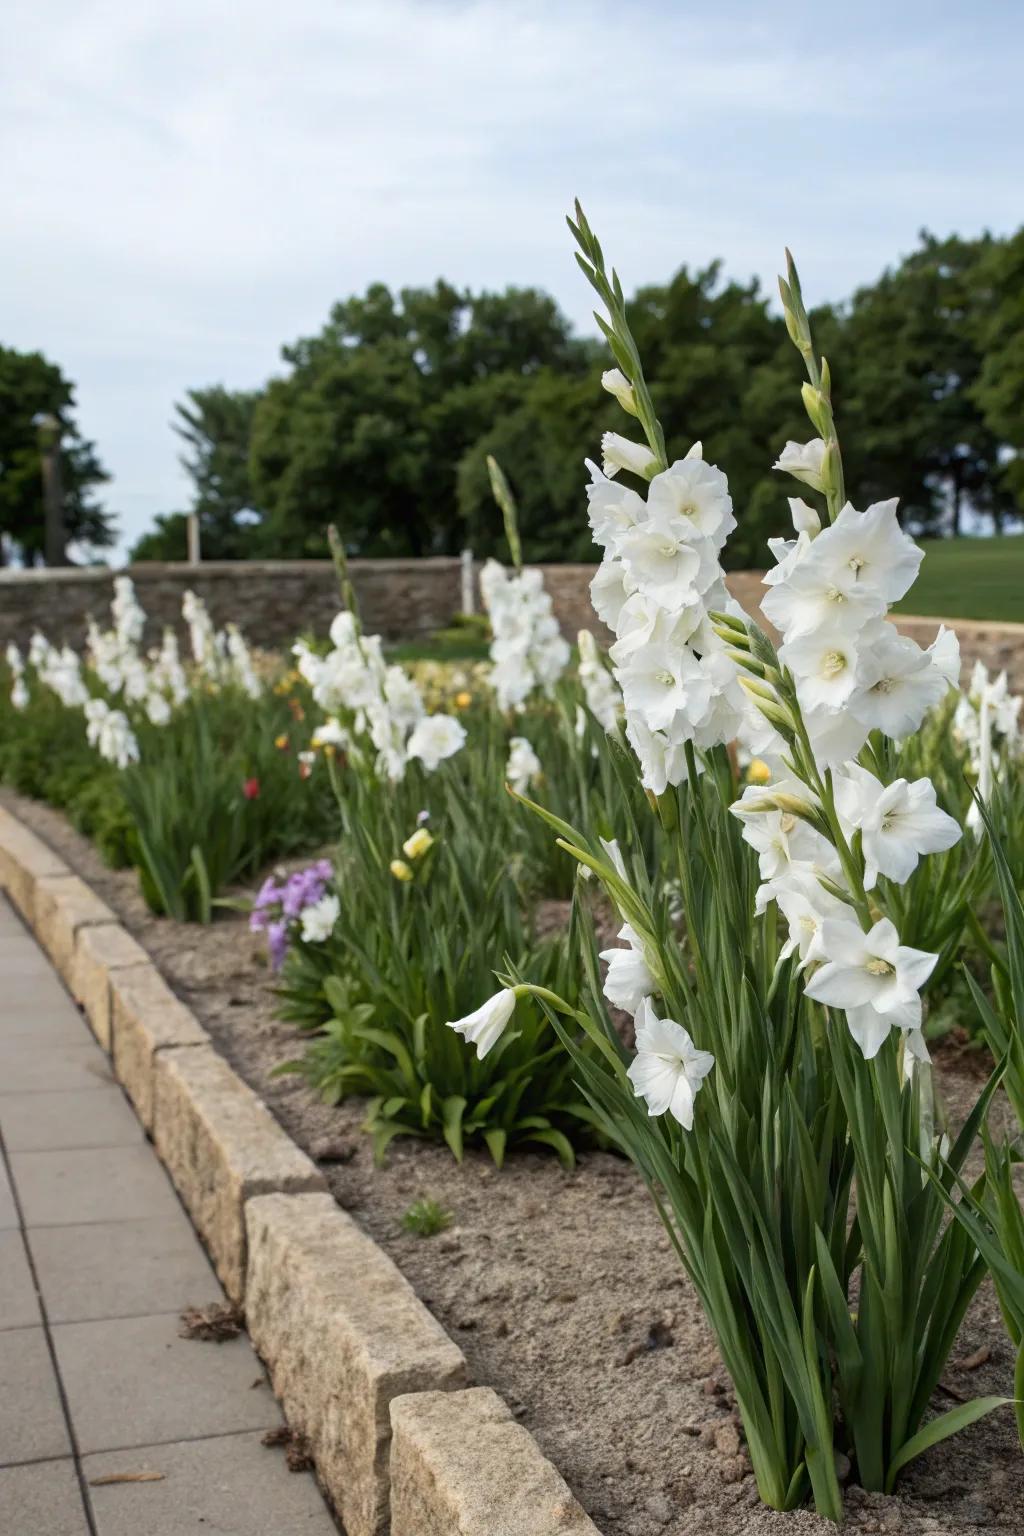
[383, 421]
[31, 387]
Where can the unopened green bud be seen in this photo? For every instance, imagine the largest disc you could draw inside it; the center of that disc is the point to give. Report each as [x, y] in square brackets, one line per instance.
[816, 407]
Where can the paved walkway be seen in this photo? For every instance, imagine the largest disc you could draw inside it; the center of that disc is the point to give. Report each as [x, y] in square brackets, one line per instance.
[97, 1261]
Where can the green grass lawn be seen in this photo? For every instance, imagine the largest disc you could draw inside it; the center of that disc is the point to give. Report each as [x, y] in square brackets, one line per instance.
[970, 579]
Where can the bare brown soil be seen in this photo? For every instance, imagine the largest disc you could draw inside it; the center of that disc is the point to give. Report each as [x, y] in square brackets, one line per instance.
[561, 1288]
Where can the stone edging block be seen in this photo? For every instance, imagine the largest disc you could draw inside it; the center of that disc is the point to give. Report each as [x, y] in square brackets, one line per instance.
[146, 1017]
[63, 905]
[344, 1334]
[100, 954]
[221, 1145]
[462, 1466]
[24, 860]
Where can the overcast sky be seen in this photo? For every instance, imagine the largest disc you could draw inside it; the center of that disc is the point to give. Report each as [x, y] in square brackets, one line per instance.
[188, 185]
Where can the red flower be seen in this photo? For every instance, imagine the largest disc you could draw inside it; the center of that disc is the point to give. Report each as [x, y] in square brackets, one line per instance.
[251, 789]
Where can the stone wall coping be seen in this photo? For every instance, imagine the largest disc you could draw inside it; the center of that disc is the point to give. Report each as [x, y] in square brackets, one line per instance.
[286, 1250]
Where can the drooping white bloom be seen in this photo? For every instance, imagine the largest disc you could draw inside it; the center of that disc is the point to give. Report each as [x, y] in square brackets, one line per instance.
[874, 978]
[486, 1024]
[805, 904]
[898, 822]
[805, 461]
[319, 919]
[781, 839]
[668, 1069]
[629, 979]
[523, 766]
[435, 738]
[621, 453]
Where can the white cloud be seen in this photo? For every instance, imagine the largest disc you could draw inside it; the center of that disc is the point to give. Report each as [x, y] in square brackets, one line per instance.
[193, 185]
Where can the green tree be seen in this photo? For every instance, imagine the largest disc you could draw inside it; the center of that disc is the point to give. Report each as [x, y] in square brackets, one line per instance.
[31, 386]
[999, 387]
[907, 389]
[370, 425]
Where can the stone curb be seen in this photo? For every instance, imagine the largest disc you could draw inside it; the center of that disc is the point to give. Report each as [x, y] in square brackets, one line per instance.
[462, 1466]
[360, 1365]
[344, 1335]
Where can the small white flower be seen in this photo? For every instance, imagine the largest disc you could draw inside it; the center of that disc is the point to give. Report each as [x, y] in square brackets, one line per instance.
[629, 979]
[484, 1027]
[873, 977]
[523, 766]
[804, 461]
[621, 453]
[668, 1069]
[318, 920]
[897, 822]
[435, 738]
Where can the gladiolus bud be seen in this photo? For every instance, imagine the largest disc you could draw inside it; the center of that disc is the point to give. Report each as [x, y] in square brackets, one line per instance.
[816, 407]
[616, 383]
[400, 869]
[418, 844]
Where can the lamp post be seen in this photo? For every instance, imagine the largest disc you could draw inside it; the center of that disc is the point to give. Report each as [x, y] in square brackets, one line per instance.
[50, 428]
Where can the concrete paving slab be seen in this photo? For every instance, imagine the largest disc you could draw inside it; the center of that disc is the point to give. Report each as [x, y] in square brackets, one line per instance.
[47, 1122]
[122, 1269]
[42, 1499]
[135, 1382]
[19, 1305]
[232, 1485]
[93, 1184]
[32, 1424]
[34, 1062]
[8, 1211]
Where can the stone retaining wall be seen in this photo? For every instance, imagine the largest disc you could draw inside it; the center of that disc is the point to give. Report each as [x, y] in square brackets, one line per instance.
[273, 601]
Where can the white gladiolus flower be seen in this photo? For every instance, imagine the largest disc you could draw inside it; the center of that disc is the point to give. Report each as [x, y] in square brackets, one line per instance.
[629, 979]
[435, 738]
[319, 919]
[621, 453]
[780, 839]
[900, 683]
[805, 904]
[603, 698]
[816, 596]
[872, 547]
[19, 694]
[609, 590]
[824, 666]
[696, 492]
[945, 654]
[874, 978]
[898, 822]
[613, 509]
[661, 681]
[662, 757]
[523, 766]
[485, 1026]
[805, 461]
[616, 383]
[668, 1069]
[527, 651]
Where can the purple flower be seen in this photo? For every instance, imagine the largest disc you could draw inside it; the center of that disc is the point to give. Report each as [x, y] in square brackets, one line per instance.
[277, 942]
[421, 817]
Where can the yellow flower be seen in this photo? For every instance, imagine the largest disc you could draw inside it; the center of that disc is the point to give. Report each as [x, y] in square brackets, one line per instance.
[281, 742]
[400, 869]
[417, 845]
[758, 772]
[463, 700]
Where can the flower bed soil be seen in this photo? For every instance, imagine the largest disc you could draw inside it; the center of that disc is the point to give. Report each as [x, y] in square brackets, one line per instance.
[561, 1289]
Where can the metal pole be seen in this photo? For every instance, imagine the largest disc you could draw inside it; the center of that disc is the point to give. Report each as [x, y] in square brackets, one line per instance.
[468, 586]
[192, 524]
[54, 538]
